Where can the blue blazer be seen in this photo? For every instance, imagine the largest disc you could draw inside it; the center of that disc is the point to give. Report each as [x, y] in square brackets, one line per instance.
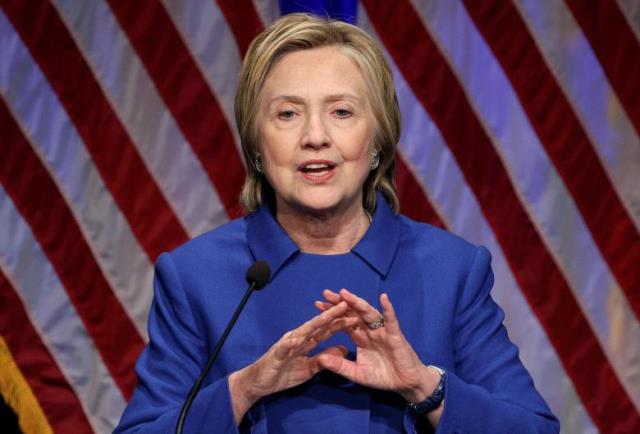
[439, 285]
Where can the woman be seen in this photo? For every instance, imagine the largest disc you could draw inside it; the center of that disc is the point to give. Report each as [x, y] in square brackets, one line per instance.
[319, 122]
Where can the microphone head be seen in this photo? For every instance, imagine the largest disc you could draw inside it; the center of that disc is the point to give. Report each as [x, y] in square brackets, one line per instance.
[258, 274]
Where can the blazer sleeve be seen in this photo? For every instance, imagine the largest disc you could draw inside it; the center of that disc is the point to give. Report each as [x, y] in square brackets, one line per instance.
[488, 390]
[169, 365]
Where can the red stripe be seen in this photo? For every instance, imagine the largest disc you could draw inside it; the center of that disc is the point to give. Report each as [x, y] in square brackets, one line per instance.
[59, 403]
[617, 48]
[414, 202]
[42, 205]
[186, 94]
[565, 140]
[111, 148]
[243, 20]
[540, 279]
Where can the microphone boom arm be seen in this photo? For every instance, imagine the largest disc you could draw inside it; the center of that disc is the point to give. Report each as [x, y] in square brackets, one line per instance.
[257, 275]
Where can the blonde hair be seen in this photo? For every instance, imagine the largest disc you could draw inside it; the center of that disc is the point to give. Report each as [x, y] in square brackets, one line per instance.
[301, 32]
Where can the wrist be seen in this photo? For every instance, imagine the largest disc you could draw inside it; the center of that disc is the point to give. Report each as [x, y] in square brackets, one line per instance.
[426, 383]
[243, 395]
[433, 403]
[241, 385]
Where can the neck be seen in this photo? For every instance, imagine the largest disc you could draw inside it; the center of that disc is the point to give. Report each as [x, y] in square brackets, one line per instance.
[325, 233]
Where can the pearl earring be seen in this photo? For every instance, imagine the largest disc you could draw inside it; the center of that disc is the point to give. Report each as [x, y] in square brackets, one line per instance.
[258, 163]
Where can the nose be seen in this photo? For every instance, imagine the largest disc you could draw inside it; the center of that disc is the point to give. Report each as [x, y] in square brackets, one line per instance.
[315, 133]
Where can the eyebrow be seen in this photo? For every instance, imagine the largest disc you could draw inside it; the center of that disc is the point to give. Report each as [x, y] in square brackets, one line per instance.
[329, 98]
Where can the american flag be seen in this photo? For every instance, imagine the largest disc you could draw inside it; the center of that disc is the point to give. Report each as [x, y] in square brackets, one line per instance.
[117, 142]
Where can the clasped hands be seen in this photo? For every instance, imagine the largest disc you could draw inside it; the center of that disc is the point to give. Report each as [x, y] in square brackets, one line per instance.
[384, 358]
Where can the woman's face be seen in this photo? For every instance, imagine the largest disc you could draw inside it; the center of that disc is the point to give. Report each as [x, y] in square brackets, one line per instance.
[316, 129]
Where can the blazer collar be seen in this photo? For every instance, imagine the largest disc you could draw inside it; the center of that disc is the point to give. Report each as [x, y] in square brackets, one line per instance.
[268, 241]
[380, 243]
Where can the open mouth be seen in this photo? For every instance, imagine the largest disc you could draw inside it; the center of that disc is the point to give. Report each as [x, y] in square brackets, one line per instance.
[317, 170]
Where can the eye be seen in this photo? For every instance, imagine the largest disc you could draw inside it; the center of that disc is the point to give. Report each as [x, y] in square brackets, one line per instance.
[342, 113]
[286, 115]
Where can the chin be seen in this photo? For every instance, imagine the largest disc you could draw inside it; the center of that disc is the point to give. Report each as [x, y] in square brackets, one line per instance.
[323, 203]
[319, 205]
[318, 200]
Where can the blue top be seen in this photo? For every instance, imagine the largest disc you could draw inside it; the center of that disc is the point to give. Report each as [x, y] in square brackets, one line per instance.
[438, 283]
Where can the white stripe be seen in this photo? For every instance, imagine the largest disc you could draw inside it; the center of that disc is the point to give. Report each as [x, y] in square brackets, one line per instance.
[53, 137]
[580, 75]
[214, 49]
[56, 321]
[436, 168]
[542, 192]
[631, 11]
[268, 10]
[135, 100]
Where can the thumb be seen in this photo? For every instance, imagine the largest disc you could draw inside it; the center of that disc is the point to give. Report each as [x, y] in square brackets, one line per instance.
[337, 363]
[338, 351]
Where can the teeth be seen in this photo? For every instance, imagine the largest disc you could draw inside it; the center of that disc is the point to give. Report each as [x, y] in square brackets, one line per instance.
[316, 166]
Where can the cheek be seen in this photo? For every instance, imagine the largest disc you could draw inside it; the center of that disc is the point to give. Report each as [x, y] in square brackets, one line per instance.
[275, 149]
[358, 149]
[273, 157]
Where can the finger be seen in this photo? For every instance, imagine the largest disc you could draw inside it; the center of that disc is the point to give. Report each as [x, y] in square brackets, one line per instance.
[293, 342]
[337, 364]
[294, 345]
[337, 350]
[359, 337]
[352, 326]
[324, 333]
[389, 314]
[332, 297]
[322, 306]
[349, 324]
[321, 320]
[360, 305]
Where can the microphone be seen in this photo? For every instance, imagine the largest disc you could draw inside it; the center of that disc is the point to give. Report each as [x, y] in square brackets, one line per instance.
[258, 274]
[257, 277]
